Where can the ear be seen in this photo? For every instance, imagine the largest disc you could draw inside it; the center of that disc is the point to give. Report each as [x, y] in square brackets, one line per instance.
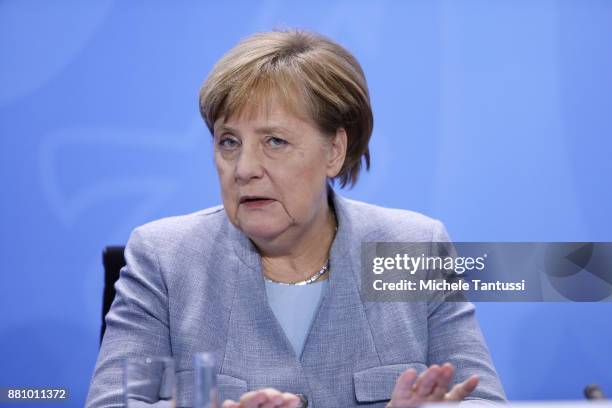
[336, 152]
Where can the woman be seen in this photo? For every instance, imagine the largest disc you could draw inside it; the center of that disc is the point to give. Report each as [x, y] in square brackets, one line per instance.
[268, 282]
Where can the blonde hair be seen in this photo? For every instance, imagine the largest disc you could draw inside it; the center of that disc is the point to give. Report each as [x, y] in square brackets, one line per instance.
[309, 73]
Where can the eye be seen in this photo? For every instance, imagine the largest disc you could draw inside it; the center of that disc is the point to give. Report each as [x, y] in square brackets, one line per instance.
[276, 141]
[228, 143]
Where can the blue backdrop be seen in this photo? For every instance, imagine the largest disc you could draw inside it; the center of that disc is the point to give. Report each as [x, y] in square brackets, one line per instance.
[494, 117]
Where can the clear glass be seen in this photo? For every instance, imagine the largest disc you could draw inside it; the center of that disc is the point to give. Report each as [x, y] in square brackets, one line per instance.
[149, 382]
[205, 381]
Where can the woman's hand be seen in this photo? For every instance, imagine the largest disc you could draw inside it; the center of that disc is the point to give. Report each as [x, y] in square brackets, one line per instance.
[264, 398]
[432, 385]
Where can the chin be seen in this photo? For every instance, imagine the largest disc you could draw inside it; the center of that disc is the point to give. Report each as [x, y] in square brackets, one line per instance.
[261, 230]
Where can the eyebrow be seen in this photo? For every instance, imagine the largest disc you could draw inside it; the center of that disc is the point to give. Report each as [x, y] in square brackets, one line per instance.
[259, 130]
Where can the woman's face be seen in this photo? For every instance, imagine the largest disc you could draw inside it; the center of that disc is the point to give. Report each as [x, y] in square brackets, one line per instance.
[272, 168]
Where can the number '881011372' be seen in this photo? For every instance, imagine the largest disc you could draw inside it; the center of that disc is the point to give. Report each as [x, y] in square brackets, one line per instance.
[11, 394]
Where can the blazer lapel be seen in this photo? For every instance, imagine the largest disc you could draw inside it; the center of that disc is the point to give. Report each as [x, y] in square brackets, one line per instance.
[340, 340]
[256, 343]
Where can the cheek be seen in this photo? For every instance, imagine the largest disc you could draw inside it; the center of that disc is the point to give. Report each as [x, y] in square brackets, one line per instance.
[226, 180]
[300, 183]
[306, 165]
[224, 169]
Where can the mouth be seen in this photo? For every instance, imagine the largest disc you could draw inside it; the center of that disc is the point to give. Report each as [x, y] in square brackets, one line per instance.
[255, 201]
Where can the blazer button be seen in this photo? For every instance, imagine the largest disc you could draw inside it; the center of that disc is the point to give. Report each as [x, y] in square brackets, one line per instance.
[303, 401]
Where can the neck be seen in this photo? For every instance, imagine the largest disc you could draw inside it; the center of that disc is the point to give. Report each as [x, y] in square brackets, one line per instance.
[302, 254]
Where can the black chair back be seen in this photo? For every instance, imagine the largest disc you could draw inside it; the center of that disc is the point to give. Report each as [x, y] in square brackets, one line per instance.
[113, 260]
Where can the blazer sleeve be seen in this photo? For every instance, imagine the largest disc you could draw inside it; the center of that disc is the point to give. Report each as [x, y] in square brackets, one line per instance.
[136, 324]
[455, 336]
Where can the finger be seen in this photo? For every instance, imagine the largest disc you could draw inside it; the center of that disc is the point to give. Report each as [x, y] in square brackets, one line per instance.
[230, 404]
[273, 402]
[441, 388]
[403, 387]
[252, 399]
[274, 398]
[426, 382]
[462, 390]
[290, 400]
[422, 378]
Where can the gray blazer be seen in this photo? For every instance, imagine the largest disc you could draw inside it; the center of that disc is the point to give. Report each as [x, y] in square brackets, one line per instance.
[194, 283]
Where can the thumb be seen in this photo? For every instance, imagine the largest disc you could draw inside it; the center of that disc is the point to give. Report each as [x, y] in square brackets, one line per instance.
[462, 390]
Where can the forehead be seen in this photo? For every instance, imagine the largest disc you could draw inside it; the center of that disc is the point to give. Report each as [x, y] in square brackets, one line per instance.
[267, 114]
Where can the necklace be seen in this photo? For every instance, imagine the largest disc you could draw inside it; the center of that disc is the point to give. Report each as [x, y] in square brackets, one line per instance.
[308, 281]
[314, 277]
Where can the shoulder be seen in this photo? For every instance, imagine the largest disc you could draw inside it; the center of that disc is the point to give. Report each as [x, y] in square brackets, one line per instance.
[184, 249]
[194, 230]
[375, 223]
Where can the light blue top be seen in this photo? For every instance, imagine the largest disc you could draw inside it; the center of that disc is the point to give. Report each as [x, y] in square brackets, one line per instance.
[295, 308]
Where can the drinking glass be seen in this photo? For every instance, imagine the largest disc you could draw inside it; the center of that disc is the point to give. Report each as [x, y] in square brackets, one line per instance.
[149, 382]
[205, 381]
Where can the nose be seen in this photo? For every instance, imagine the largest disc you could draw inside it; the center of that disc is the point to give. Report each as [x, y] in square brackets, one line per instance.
[249, 164]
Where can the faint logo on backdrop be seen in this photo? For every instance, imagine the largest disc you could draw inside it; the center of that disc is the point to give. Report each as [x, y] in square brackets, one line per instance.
[81, 168]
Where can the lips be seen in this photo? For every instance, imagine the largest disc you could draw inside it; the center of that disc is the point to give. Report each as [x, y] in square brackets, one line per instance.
[255, 202]
[252, 199]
